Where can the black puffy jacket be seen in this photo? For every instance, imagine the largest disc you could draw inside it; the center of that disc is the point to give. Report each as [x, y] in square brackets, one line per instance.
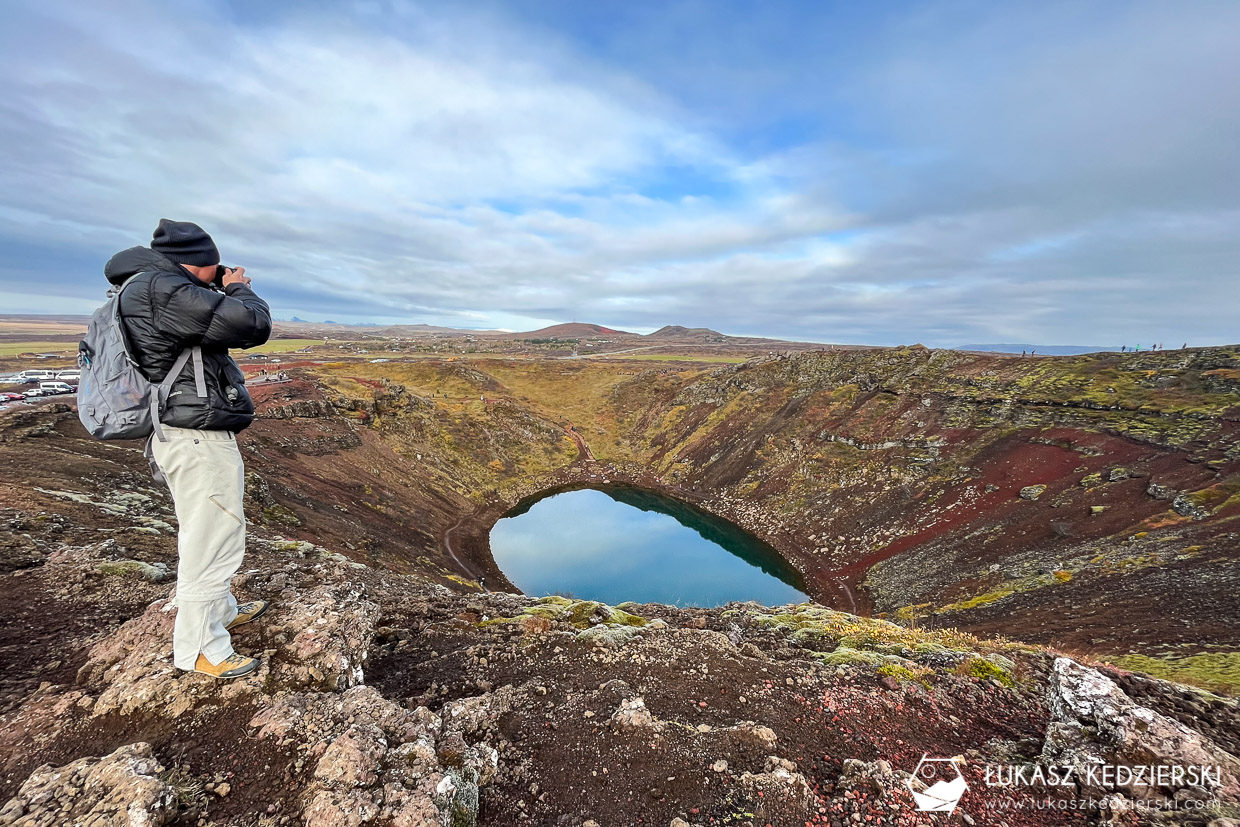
[167, 310]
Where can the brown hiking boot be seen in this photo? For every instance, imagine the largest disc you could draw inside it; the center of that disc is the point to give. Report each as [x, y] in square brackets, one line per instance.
[247, 612]
[233, 666]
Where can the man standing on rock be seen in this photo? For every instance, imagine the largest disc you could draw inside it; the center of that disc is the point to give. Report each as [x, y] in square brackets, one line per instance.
[179, 297]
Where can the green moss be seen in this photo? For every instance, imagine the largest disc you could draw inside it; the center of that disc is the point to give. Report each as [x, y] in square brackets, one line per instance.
[1090, 480]
[624, 618]
[986, 669]
[123, 568]
[546, 612]
[1009, 588]
[281, 515]
[577, 613]
[895, 670]
[1216, 671]
[811, 622]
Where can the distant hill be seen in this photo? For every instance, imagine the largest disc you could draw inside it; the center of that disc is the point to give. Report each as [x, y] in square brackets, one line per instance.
[1049, 350]
[571, 330]
[675, 331]
[412, 329]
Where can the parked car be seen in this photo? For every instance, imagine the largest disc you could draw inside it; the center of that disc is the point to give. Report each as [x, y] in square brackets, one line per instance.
[53, 388]
[10, 397]
[37, 375]
[70, 376]
[33, 392]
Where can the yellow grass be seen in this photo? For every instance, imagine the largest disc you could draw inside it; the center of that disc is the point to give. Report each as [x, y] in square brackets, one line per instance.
[14, 348]
[284, 345]
[662, 357]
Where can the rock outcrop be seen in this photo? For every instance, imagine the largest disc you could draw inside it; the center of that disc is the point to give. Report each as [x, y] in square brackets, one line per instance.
[1096, 726]
[122, 789]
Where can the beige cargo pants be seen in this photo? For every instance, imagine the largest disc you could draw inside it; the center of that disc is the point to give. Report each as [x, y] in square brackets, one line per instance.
[207, 477]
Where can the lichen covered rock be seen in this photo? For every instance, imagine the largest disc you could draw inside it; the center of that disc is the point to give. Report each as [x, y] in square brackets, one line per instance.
[121, 789]
[1095, 724]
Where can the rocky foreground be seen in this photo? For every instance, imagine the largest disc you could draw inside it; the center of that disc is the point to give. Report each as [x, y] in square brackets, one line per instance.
[393, 692]
[385, 700]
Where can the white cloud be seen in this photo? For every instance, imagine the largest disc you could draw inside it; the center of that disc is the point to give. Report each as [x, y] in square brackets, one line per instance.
[1006, 176]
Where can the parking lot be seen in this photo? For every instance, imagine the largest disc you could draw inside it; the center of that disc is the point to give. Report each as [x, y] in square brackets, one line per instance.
[33, 386]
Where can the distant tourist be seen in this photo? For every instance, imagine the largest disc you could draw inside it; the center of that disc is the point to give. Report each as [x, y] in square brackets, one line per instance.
[1123, 348]
[1184, 346]
[204, 309]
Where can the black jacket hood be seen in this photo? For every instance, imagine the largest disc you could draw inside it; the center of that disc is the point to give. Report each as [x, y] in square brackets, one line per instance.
[136, 260]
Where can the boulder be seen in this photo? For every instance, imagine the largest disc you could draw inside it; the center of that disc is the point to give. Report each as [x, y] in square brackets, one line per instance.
[322, 640]
[121, 789]
[1095, 724]
[779, 794]
[378, 762]
[481, 713]
[134, 667]
[1032, 492]
[633, 715]
[1186, 507]
[1160, 492]
[328, 633]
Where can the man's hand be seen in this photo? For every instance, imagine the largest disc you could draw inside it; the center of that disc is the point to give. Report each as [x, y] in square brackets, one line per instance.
[236, 276]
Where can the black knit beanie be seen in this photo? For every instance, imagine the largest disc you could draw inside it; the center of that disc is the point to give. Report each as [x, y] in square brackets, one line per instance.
[185, 243]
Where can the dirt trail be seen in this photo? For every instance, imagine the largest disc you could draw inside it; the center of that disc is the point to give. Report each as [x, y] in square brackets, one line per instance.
[584, 454]
[447, 544]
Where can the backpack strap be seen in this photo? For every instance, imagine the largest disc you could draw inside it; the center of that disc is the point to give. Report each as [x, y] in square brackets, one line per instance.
[115, 295]
[164, 388]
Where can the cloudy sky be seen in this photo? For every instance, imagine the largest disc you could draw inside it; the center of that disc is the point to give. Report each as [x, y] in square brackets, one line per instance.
[886, 173]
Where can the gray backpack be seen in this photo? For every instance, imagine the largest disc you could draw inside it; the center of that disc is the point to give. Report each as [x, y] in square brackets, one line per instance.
[115, 399]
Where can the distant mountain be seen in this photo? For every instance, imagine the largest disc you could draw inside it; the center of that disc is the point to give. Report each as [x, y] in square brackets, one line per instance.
[1048, 350]
[571, 330]
[675, 331]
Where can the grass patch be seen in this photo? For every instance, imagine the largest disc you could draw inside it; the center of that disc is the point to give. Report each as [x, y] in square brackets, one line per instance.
[984, 669]
[69, 349]
[281, 346]
[661, 357]
[1008, 589]
[1216, 672]
[810, 622]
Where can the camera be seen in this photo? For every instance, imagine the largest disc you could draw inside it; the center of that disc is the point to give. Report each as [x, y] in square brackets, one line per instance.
[220, 272]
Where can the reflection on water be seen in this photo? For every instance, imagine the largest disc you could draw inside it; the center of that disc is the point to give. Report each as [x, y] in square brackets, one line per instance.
[623, 544]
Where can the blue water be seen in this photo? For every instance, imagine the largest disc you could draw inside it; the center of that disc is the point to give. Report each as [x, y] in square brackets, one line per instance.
[623, 544]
